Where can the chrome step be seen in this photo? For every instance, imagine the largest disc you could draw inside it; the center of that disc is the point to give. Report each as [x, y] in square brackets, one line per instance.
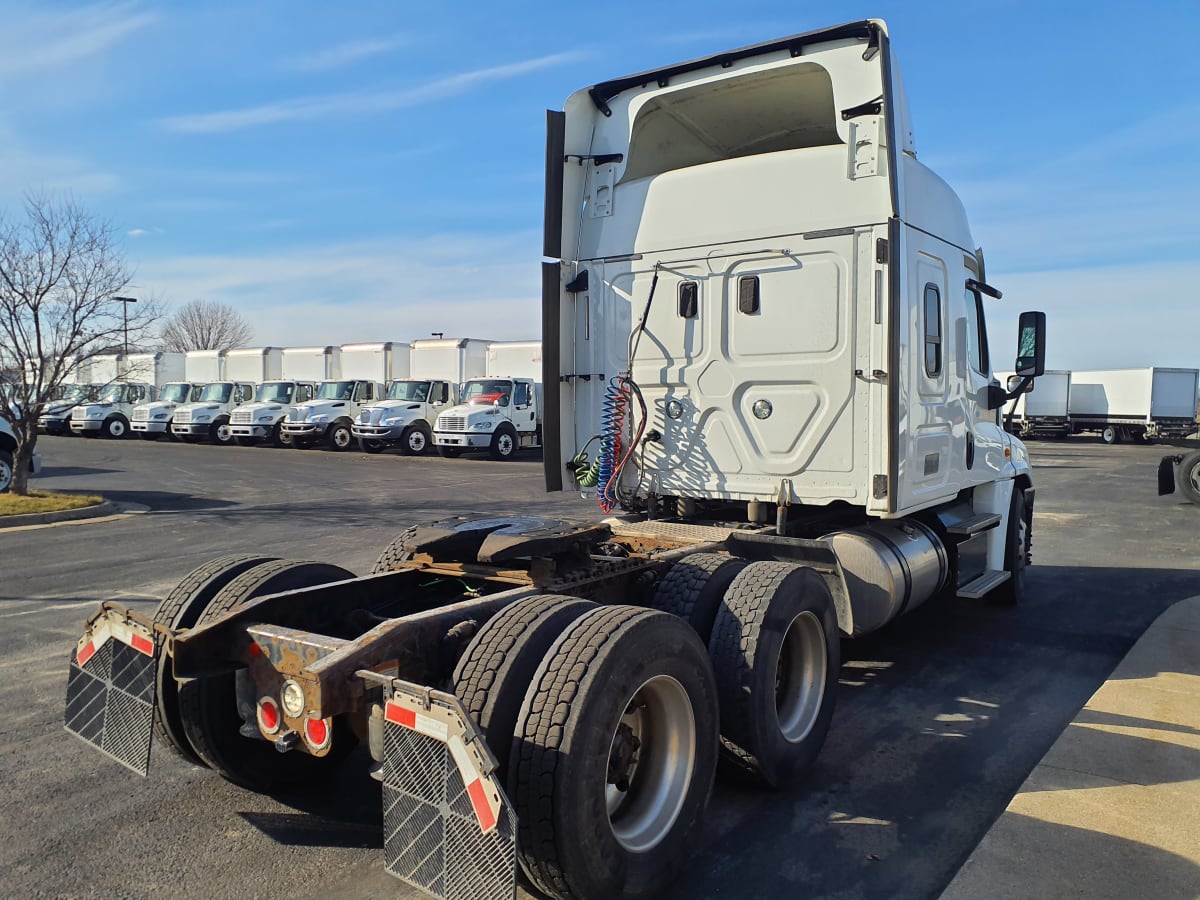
[975, 589]
[975, 524]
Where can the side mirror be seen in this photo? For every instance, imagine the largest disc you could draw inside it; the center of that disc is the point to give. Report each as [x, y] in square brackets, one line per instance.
[1031, 345]
[1015, 381]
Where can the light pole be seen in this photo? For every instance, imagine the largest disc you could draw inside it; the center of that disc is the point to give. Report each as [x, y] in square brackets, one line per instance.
[125, 308]
[437, 334]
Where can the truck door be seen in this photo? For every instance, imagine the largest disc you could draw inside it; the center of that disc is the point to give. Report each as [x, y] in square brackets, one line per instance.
[524, 416]
[931, 431]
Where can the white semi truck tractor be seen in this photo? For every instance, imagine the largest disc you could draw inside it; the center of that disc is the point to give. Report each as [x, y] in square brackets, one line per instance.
[404, 417]
[764, 354]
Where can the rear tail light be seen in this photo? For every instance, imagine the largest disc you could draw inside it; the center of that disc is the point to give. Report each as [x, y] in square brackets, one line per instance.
[268, 716]
[318, 733]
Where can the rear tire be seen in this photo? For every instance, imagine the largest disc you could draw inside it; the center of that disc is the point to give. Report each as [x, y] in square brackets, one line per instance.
[208, 706]
[693, 588]
[1110, 435]
[495, 670]
[614, 755]
[180, 609]
[395, 553]
[776, 653]
[1187, 476]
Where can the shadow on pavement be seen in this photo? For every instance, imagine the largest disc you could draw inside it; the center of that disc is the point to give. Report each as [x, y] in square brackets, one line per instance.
[166, 501]
[72, 471]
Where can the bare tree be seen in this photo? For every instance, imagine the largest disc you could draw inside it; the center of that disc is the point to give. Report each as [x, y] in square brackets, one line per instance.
[60, 270]
[205, 325]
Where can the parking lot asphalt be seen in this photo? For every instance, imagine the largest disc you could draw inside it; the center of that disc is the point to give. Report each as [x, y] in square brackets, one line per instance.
[941, 716]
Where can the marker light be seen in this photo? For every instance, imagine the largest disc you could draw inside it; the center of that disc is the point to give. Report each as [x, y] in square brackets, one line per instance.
[292, 697]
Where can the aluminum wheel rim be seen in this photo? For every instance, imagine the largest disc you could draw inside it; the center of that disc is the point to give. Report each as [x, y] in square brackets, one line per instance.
[1194, 475]
[504, 444]
[116, 429]
[223, 433]
[341, 438]
[416, 441]
[660, 716]
[6, 473]
[800, 677]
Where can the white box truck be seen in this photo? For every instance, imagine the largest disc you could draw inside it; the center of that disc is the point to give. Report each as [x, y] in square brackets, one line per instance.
[555, 694]
[496, 413]
[405, 415]
[1042, 410]
[208, 417]
[381, 361]
[152, 420]
[1134, 404]
[204, 366]
[136, 380]
[261, 418]
[76, 387]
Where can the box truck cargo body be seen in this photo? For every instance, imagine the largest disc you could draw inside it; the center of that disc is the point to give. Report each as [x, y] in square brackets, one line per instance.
[449, 360]
[203, 366]
[516, 359]
[381, 362]
[1043, 410]
[314, 364]
[156, 369]
[253, 364]
[1134, 404]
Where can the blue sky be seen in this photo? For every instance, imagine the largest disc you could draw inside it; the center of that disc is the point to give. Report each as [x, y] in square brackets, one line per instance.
[373, 170]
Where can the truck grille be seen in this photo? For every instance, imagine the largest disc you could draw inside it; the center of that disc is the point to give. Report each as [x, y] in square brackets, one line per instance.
[370, 416]
[297, 414]
[141, 414]
[452, 423]
[241, 417]
[183, 417]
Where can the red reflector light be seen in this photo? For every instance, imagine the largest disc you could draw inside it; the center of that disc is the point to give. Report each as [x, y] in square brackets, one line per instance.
[268, 715]
[316, 732]
[255, 650]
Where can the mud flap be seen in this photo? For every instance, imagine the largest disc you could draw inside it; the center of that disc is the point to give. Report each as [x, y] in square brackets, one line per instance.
[110, 689]
[448, 827]
[1166, 474]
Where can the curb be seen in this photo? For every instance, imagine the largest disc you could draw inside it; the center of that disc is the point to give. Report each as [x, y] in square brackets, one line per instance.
[105, 508]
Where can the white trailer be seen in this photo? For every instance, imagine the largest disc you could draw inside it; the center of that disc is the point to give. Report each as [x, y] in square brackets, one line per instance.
[1041, 411]
[516, 359]
[204, 366]
[382, 362]
[763, 341]
[1134, 404]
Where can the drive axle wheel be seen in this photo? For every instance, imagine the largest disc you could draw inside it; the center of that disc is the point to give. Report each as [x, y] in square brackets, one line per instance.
[494, 672]
[692, 589]
[181, 608]
[776, 653]
[395, 553]
[208, 706]
[614, 755]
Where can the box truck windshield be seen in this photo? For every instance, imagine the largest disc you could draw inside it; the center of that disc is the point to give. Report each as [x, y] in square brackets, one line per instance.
[275, 392]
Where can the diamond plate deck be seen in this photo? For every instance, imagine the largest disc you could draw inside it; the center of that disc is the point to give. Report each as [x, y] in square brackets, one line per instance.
[679, 532]
[110, 703]
[431, 837]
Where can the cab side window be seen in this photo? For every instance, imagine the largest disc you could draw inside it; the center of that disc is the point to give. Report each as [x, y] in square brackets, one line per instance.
[977, 346]
[521, 395]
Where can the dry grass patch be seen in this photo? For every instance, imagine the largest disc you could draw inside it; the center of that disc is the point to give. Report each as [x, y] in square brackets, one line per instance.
[44, 501]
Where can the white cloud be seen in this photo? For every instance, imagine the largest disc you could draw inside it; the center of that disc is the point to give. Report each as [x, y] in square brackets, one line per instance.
[137, 232]
[469, 285]
[306, 109]
[345, 54]
[41, 40]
